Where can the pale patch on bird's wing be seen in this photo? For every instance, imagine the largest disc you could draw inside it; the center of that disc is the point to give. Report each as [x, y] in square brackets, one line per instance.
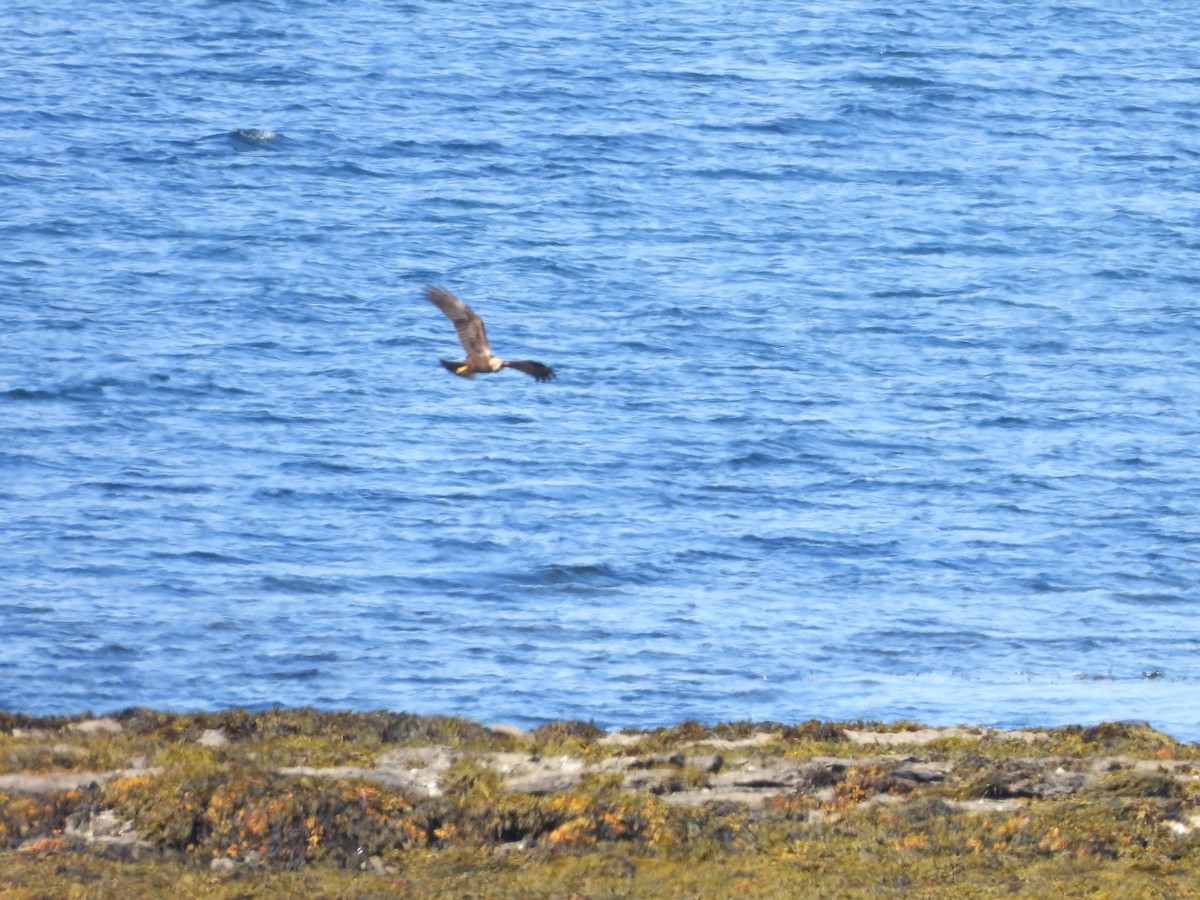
[469, 326]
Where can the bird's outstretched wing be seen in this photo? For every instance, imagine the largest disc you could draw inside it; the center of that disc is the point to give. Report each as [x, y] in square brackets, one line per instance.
[529, 367]
[468, 325]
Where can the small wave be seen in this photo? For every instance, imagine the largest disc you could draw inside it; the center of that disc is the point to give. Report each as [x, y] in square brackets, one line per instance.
[893, 81]
[586, 577]
[297, 584]
[22, 610]
[1005, 422]
[1156, 598]
[785, 125]
[316, 657]
[321, 465]
[81, 391]
[172, 488]
[275, 493]
[461, 146]
[301, 675]
[206, 556]
[822, 547]
[113, 488]
[558, 574]
[35, 394]
[353, 168]
[757, 458]
[1043, 585]
[118, 649]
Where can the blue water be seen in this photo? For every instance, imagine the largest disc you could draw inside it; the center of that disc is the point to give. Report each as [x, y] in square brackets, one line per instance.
[875, 326]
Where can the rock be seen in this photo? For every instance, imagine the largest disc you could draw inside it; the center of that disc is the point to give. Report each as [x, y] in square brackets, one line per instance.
[65, 781]
[653, 781]
[985, 806]
[212, 737]
[1058, 783]
[415, 769]
[547, 775]
[106, 824]
[421, 782]
[31, 733]
[108, 835]
[755, 740]
[433, 757]
[774, 774]
[376, 865]
[620, 739]
[922, 772]
[929, 735]
[904, 738]
[517, 764]
[1186, 826]
[105, 725]
[1029, 737]
[508, 731]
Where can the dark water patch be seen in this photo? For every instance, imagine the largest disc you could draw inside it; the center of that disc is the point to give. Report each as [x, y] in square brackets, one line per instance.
[119, 651]
[353, 170]
[326, 656]
[159, 487]
[310, 674]
[586, 576]
[276, 493]
[25, 609]
[386, 497]
[456, 147]
[821, 547]
[294, 584]
[319, 466]
[79, 391]
[34, 394]
[1005, 422]
[771, 457]
[201, 556]
[1154, 598]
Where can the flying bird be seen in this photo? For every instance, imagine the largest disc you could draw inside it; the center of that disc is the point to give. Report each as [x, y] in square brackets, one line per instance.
[474, 340]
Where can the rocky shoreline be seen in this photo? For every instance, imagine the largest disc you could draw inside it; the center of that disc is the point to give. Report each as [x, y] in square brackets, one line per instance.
[386, 802]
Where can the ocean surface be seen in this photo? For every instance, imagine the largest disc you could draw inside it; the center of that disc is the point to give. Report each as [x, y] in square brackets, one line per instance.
[875, 324]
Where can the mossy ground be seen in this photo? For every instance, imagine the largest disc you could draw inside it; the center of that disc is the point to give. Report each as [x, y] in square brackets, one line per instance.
[196, 818]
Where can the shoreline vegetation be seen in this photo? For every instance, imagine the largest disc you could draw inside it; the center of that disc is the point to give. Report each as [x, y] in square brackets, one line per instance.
[300, 802]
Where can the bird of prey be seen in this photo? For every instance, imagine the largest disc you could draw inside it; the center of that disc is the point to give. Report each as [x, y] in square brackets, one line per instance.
[474, 340]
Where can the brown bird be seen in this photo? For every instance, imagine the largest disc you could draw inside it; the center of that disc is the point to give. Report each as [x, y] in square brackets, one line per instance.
[474, 340]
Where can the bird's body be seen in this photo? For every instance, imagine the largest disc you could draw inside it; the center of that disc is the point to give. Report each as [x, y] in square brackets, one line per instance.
[472, 336]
